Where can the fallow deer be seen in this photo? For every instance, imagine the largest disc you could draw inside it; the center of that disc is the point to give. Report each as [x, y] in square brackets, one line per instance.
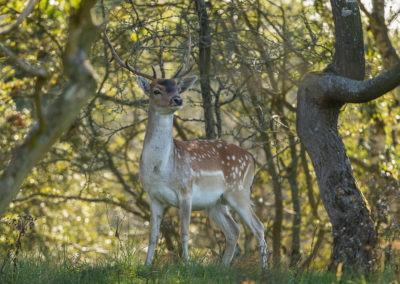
[192, 175]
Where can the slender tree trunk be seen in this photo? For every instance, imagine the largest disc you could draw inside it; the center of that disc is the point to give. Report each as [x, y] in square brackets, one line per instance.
[310, 190]
[204, 67]
[381, 34]
[294, 190]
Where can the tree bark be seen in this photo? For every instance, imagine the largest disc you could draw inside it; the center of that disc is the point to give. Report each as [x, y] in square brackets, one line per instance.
[320, 99]
[294, 189]
[204, 67]
[349, 58]
[59, 115]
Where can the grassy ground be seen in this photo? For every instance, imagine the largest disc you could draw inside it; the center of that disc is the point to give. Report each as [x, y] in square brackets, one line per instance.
[29, 269]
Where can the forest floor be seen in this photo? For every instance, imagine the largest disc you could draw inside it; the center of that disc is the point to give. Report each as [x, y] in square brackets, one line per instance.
[36, 269]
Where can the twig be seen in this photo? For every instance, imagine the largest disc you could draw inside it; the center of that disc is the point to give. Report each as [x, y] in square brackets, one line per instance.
[20, 19]
[71, 197]
[39, 72]
[272, 158]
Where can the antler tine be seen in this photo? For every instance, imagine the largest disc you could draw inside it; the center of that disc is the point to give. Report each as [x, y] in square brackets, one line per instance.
[125, 64]
[180, 72]
[154, 71]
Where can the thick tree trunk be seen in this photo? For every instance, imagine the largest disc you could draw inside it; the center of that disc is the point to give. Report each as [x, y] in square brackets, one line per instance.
[353, 231]
[352, 226]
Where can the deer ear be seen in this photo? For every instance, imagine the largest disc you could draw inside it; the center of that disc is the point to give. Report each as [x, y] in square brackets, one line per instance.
[144, 84]
[186, 83]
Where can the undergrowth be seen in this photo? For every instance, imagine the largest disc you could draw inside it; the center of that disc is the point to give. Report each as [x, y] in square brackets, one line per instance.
[63, 269]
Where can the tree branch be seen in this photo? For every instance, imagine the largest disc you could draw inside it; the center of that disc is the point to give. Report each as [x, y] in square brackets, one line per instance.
[345, 90]
[20, 19]
[86, 199]
[118, 174]
[137, 103]
[39, 72]
[364, 9]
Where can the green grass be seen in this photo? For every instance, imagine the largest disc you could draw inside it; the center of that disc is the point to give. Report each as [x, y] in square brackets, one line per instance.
[31, 269]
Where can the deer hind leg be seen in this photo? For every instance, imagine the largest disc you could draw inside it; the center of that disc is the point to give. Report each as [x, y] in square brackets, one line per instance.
[220, 215]
[156, 211]
[243, 207]
[185, 210]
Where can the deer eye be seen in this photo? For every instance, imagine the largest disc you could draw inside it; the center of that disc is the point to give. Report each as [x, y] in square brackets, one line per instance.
[157, 92]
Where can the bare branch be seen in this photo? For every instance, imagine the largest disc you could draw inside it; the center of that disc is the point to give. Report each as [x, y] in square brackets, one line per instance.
[393, 17]
[137, 103]
[22, 64]
[270, 160]
[118, 174]
[20, 19]
[364, 9]
[86, 199]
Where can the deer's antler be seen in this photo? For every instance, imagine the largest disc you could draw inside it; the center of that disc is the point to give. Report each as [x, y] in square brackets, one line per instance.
[125, 64]
[180, 72]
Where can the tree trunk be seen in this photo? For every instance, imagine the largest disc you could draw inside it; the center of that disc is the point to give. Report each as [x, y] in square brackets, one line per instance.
[320, 98]
[353, 231]
[62, 112]
[294, 189]
[204, 67]
[352, 226]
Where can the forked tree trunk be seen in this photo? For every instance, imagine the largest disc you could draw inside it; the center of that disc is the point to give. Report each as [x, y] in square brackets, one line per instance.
[320, 99]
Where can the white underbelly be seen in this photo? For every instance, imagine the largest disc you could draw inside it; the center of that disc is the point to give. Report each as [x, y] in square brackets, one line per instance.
[205, 197]
[207, 189]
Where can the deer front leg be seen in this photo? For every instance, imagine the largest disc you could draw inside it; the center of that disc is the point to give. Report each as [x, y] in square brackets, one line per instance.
[156, 211]
[185, 211]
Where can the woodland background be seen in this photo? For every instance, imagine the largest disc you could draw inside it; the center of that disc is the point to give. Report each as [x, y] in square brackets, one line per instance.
[84, 195]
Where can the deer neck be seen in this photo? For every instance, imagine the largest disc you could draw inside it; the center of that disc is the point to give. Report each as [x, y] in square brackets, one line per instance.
[158, 146]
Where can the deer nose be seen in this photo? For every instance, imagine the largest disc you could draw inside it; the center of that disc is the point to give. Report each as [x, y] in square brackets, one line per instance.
[177, 101]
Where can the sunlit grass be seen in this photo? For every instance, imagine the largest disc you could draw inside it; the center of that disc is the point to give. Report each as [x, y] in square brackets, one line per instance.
[128, 269]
